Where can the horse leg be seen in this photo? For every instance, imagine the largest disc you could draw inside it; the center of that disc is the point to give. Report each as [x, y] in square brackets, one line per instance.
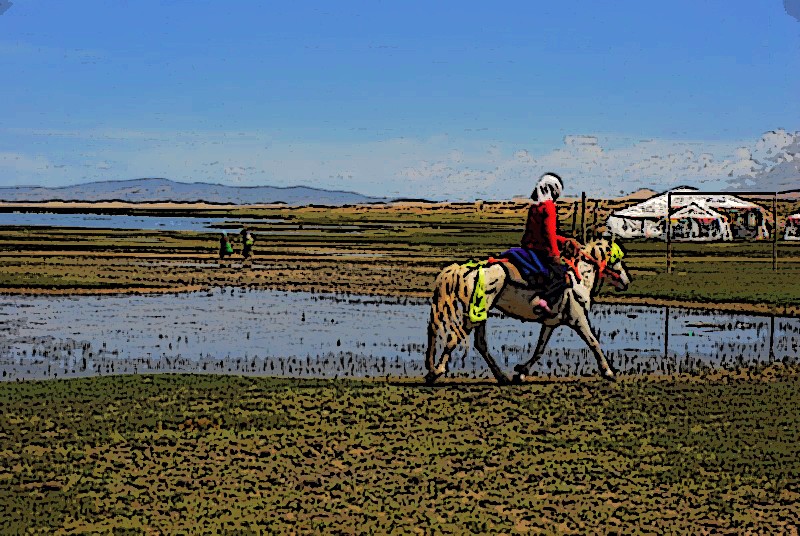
[436, 370]
[522, 369]
[582, 327]
[483, 349]
[448, 326]
[440, 369]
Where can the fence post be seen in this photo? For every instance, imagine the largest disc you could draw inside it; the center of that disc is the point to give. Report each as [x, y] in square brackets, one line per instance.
[666, 334]
[772, 337]
[668, 230]
[583, 217]
[574, 218]
[775, 232]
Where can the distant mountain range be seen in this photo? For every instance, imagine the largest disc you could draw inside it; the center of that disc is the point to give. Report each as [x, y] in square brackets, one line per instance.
[641, 193]
[164, 190]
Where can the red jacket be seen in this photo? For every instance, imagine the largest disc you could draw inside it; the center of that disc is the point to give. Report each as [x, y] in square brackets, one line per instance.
[541, 230]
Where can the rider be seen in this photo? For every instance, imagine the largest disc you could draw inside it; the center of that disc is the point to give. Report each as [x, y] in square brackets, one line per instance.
[541, 236]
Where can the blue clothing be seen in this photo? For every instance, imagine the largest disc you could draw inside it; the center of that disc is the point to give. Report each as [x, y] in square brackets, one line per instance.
[530, 263]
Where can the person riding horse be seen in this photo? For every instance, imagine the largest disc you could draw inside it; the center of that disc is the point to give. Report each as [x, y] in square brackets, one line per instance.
[561, 276]
[451, 319]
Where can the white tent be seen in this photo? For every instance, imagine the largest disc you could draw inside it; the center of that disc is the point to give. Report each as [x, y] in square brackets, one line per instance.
[646, 219]
[792, 227]
[696, 223]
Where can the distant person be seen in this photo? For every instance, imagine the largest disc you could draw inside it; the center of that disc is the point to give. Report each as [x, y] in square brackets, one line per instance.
[247, 242]
[225, 246]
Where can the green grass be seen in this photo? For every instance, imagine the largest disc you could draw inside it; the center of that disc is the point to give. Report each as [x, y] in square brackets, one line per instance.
[714, 279]
[416, 244]
[182, 453]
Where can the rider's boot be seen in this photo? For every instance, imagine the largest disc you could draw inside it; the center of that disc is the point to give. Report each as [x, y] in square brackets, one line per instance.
[540, 306]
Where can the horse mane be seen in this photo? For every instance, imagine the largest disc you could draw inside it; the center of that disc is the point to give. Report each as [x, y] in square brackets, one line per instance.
[597, 249]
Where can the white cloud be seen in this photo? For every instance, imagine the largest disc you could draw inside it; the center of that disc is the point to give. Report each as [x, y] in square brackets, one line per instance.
[237, 174]
[524, 156]
[776, 165]
[439, 167]
[588, 165]
[235, 171]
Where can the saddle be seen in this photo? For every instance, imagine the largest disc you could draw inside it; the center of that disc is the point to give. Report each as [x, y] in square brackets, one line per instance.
[513, 272]
[528, 269]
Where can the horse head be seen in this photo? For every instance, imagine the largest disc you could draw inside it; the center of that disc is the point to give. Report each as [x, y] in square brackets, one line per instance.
[607, 258]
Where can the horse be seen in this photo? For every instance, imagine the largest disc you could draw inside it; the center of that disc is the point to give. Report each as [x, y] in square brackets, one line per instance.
[450, 324]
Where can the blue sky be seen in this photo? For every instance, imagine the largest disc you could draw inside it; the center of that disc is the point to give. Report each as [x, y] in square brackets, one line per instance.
[454, 100]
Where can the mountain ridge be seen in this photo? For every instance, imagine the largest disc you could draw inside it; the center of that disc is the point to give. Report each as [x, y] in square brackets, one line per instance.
[165, 190]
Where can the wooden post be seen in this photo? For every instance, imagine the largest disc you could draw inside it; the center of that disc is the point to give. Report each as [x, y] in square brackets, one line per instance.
[666, 334]
[668, 230]
[594, 218]
[772, 337]
[775, 232]
[574, 218]
[583, 217]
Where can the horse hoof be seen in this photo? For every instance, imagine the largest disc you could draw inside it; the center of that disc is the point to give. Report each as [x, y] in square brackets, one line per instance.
[521, 370]
[430, 378]
[608, 375]
[518, 379]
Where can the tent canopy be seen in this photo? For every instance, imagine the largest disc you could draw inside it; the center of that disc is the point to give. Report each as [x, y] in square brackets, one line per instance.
[682, 196]
[696, 212]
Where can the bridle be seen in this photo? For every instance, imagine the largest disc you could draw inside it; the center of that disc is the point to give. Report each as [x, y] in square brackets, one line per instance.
[602, 265]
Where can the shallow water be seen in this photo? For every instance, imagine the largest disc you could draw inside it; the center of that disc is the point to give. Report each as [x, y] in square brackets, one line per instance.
[165, 223]
[120, 221]
[326, 335]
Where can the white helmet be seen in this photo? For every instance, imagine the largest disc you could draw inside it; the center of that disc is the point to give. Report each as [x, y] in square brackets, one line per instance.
[548, 188]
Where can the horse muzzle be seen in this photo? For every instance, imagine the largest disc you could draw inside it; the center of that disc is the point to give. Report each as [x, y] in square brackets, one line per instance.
[618, 280]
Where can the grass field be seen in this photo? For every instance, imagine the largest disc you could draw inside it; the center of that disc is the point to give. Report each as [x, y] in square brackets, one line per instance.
[186, 454]
[395, 251]
[182, 454]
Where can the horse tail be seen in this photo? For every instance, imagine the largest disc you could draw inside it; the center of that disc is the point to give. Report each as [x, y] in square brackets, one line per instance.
[446, 324]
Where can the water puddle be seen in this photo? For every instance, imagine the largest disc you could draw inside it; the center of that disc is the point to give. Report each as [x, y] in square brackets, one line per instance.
[265, 332]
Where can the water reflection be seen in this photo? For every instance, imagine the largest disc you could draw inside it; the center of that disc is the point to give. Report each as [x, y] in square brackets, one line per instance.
[306, 334]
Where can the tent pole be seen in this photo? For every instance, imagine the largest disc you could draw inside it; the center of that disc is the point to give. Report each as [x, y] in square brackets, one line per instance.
[668, 230]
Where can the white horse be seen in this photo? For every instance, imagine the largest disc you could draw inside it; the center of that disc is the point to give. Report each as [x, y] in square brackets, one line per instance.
[450, 321]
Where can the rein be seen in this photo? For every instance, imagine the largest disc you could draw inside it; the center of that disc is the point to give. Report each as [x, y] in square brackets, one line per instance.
[602, 267]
